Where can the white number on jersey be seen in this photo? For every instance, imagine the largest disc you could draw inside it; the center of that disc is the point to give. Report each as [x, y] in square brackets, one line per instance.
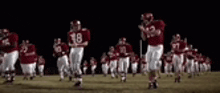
[176, 46]
[76, 37]
[6, 42]
[24, 49]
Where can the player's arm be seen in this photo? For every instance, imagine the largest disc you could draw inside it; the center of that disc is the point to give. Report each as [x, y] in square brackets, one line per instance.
[32, 51]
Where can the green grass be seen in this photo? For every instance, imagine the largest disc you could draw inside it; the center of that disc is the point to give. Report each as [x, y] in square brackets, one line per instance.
[99, 84]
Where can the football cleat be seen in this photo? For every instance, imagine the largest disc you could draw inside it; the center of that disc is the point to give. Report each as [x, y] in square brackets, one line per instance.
[155, 84]
[150, 86]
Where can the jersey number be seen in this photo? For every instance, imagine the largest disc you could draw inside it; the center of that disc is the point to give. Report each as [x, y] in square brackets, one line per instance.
[6, 42]
[76, 37]
[176, 46]
[122, 49]
[24, 49]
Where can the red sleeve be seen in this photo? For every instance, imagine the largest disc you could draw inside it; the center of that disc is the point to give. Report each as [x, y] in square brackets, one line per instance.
[130, 48]
[160, 25]
[32, 48]
[86, 36]
[14, 38]
[65, 47]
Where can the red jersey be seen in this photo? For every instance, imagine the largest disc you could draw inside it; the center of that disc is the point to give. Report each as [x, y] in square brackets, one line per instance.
[202, 59]
[85, 64]
[124, 50]
[168, 58]
[41, 61]
[28, 54]
[191, 54]
[134, 59]
[61, 49]
[155, 40]
[178, 47]
[105, 60]
[113, 55]
[93, 62]
[79, 37]
[9, 40]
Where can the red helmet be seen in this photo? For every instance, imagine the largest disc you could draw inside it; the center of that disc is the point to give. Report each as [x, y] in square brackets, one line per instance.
[147, 16]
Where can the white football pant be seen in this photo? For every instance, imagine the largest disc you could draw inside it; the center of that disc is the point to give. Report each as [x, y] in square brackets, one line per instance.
[27, 69]
[168, 68]
[153, 56]
[123, 64]
[113, 67]
[41, 69]
[10, 60]
[190, 66]
[62, 63]
[196, 67]
[85, 69]
[177, 62]
[75, 56]
[105, 68]
[93, 69]
[134, 67]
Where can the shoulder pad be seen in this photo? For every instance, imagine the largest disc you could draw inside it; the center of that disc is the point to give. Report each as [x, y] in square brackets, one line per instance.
[85, 29]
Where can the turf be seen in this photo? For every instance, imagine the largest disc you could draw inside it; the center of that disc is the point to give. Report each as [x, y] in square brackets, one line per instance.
[50, 84]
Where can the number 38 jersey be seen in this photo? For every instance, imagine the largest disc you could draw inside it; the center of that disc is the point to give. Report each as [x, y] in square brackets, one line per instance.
[124, 49]
[79, 36]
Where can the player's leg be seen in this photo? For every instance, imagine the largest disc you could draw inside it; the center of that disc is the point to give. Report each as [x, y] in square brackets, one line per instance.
[84, 70]
[156, 55]
[159, 64]
[13, 59]
[111, 65]
[126, 66]
[24, 70]
[72, 61]
[170, 65]
[41, 70]
[60, 67]
[79, 55]
[134, 69]
[104, 69]
[176, 66]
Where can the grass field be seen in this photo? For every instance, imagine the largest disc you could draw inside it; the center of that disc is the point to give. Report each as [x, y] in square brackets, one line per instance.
[99, 84]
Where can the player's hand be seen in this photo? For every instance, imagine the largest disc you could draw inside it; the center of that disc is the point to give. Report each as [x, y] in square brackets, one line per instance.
[141, 27]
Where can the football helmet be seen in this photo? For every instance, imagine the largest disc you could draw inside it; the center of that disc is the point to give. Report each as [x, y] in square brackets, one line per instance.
[75, 25]
[147, 17]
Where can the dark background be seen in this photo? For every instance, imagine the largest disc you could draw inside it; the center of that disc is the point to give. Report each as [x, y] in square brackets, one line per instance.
[41, 22]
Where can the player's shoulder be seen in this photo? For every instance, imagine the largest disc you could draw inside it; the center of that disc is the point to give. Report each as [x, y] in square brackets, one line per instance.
[84, 29]
[13, 34]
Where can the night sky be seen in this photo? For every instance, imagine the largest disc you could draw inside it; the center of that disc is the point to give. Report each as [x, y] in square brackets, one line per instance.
[108, 21]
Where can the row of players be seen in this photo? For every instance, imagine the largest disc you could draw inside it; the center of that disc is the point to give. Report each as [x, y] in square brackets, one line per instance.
[200, 63]
[29, 60]
[78, 38]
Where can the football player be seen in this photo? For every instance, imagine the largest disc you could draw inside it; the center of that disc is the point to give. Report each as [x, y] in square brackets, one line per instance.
[78, 38]
[85, 66]
[60, 50]
[93, 64]
[41, 63]
[35, 60]
[124, 49]
[153, 31]
[9, 45]
[190, 61]
[105, 64]
[196, 63]
[113, 55]
[178, 47]
[201, 63]
[134, 63]
[144, 67]
[168, 64]
[27, 59]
